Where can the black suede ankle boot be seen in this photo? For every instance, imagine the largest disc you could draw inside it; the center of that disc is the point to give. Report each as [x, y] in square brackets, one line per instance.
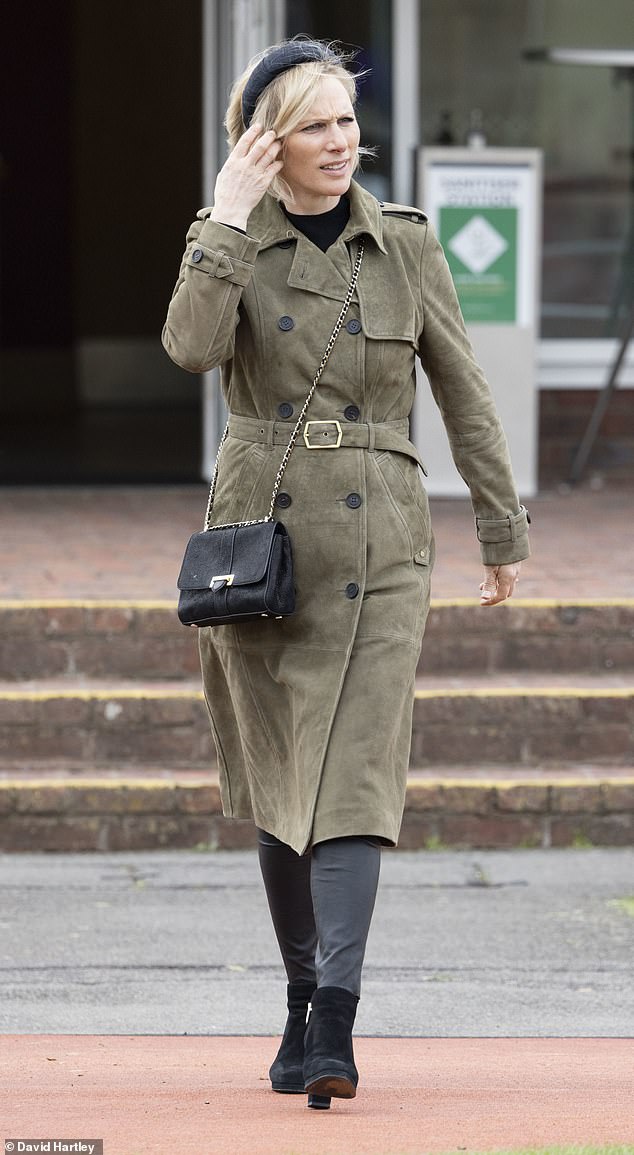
[328, 1056]
[286, 1071]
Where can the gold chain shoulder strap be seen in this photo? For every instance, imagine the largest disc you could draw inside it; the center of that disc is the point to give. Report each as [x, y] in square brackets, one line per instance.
[300, 419]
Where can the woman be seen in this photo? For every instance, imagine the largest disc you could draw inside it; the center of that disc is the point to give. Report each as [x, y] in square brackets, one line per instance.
[312, 714]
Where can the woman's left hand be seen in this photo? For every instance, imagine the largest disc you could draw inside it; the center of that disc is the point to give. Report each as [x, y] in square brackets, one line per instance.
[499, 583]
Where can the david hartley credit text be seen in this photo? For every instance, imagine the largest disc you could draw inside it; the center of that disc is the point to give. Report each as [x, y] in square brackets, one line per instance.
[85, 1146]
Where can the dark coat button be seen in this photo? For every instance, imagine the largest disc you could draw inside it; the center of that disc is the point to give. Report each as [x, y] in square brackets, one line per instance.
[284, 244]
[285, 409]
[285, 323]
[353, 500]
[197, 255]
[353, 326]
[283, 500]
[352, 413]
[352, 590]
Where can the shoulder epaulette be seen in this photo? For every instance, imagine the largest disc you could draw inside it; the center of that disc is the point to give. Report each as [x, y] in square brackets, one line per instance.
[407, 212]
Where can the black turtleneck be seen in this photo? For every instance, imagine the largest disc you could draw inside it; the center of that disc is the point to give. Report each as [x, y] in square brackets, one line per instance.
[322, 229]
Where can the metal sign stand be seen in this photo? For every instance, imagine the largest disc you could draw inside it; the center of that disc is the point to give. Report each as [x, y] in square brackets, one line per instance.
[485, 204]
[601, 407]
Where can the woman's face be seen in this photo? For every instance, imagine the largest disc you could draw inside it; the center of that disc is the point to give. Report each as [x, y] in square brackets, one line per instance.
[320, 155]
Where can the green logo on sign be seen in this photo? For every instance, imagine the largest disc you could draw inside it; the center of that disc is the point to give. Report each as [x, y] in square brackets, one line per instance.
[481, 249]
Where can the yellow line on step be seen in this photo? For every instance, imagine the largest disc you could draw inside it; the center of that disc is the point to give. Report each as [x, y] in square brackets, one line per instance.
[89, 695]
[158, 694]
[528, 692]
[509, 783]
[535, 603]
[170, 604]
[81, 783]
[87, 604]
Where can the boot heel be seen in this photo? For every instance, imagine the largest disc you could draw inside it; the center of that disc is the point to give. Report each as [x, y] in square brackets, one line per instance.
[320, 1102]
[329, 1068]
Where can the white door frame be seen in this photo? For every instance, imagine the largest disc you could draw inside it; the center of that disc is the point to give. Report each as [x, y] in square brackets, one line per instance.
[233, 31]
[405, 98]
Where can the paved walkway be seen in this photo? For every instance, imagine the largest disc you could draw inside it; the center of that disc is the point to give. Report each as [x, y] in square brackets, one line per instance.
[146, 1094]
[502, 958]
[150, 1096]
[128, 542]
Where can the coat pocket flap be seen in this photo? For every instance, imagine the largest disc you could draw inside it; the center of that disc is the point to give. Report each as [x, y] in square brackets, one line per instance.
[239, 555]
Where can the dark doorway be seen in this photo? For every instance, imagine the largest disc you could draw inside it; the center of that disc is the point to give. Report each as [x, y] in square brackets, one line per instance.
[100, 171]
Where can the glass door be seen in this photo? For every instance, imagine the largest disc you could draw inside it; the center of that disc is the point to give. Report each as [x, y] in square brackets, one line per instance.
[365, 29]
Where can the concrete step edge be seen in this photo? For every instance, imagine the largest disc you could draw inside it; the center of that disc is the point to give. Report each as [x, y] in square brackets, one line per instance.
[96, 692]
[104, 815]
[192, 692]
[202, 780]
[169, 605]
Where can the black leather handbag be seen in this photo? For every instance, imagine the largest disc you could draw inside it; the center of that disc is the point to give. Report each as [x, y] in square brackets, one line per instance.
[244, 570]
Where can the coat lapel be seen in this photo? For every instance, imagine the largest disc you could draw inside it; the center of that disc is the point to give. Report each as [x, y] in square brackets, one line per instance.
[328, 274]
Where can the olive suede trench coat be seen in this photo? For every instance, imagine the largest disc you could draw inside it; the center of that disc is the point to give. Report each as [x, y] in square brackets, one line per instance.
[312, 715]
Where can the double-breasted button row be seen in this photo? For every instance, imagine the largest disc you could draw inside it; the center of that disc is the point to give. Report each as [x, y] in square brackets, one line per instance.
[287, 323]
[285, 409]
[283, 500]
[352, 413]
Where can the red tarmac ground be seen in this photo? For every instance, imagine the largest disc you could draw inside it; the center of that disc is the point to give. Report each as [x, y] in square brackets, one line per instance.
[151, 1095]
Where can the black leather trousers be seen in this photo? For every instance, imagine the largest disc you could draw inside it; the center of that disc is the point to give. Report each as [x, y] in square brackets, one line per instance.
[321, 904]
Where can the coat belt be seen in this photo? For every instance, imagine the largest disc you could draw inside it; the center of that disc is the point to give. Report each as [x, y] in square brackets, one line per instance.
[329, 434]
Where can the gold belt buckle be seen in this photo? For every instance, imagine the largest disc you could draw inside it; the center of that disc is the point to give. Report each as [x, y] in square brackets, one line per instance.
[327, 444]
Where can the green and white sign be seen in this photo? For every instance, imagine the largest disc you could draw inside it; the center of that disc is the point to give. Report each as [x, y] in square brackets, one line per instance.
[485, 206]
[481, 249]
[484, 209]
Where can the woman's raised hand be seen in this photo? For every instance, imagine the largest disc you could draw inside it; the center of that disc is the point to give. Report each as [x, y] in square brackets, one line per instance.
[245, 176]
[499, 583]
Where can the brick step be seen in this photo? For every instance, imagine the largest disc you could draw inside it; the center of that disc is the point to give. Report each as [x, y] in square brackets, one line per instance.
[143, 639]
[142, 809]
[530, 720]
[494, 719]
[106, 722]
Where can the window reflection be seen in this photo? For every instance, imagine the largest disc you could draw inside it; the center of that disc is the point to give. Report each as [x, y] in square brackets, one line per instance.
[473, 67]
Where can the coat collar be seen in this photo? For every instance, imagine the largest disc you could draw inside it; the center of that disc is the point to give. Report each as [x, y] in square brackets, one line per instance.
[269, 225]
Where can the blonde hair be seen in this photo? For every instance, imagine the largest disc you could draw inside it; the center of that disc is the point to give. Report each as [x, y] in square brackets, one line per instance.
[284, 103]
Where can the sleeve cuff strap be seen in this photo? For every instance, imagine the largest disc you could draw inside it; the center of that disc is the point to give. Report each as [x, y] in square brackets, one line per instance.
[509, 528]
[218, 264]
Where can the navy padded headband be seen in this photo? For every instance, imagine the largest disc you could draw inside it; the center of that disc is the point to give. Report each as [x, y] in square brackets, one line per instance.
[275, 62]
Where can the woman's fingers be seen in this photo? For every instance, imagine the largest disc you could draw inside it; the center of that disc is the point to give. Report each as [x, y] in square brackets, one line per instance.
[254, 144]
[246, 175]
[261, 154]
[499, 583]
[248, 139]
[488, 587]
